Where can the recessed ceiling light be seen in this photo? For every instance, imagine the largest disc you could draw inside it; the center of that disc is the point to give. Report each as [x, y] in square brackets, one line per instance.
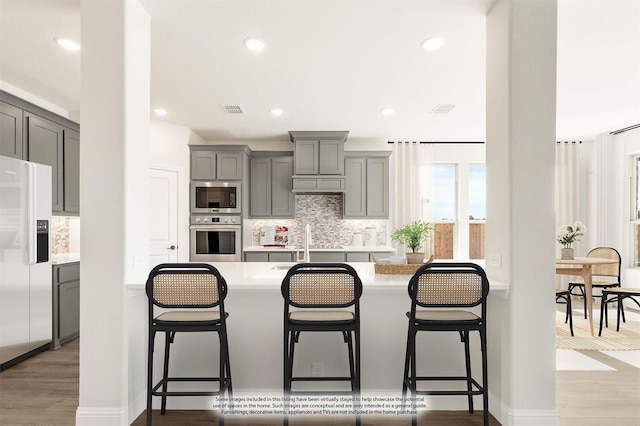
[433, 43]
[160, 111]
[276, 112]
[387, 111]
[255, 44]
[67, 44]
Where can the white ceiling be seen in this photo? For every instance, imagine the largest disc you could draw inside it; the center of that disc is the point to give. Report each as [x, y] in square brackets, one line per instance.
[334, 64]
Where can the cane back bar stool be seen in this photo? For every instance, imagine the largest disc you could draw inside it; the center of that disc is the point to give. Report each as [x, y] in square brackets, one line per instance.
[325, 298]
[443, 287]
[187, 294]
[608, 274]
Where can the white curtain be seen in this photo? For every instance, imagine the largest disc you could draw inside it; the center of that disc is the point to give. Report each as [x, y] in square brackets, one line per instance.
[406, 202]
[568, 200]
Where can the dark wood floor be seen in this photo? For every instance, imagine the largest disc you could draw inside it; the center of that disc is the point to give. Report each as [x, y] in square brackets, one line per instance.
[43, 391]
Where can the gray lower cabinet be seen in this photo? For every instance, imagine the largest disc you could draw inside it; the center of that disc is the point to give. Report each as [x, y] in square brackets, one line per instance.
[270, 187]
[288, 256]
[327, 256]
[11, 141]
[367, 188]
[360, 256]
[66, 302]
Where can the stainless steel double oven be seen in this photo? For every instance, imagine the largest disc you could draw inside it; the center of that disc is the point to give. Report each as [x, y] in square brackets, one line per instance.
[216, 237]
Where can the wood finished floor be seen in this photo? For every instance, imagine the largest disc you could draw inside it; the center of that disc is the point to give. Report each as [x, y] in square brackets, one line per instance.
[44, 391]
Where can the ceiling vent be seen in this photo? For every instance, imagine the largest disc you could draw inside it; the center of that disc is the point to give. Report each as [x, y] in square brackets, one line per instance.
[442, 109]
[232, 109]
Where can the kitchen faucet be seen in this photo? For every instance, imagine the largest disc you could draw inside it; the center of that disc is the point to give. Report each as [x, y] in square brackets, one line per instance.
[307, 241]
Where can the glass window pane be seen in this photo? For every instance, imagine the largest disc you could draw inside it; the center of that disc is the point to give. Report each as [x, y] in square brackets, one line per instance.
[439, 196]
[443, 240]
[637, 215]
[477, 192]
[476, 240]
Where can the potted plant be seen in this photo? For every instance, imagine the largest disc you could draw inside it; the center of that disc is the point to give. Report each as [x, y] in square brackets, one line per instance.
[569, 234]
[413, 236]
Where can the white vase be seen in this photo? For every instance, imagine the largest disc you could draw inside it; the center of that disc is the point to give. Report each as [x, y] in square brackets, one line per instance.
[567, 253]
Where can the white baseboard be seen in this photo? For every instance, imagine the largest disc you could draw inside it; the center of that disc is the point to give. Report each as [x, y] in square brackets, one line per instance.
[101, 416]
[510, 417]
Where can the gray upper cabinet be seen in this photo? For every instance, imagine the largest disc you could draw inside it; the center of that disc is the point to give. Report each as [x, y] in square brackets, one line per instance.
[318, 153]
[71, 158]
[45, 146]
[214, 165]
[270, 188]
[11, 144]
[31, 133]
[367, 192]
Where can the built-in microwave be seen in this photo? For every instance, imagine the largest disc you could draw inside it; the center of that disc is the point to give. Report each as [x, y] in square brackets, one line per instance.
[216, 197]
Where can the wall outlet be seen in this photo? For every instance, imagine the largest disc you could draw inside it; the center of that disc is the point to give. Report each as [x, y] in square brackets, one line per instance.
[494, 260]
[317, 369]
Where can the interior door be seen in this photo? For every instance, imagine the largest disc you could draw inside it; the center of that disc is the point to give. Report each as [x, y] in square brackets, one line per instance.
[163, 216]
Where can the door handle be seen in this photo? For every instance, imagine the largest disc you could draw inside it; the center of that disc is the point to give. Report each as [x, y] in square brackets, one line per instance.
[172, 248]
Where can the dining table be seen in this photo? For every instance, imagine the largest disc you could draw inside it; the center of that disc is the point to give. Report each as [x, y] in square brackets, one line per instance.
[582, 267]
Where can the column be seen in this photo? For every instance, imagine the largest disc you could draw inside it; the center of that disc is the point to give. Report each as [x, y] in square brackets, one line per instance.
[113, 174]
[521, 123]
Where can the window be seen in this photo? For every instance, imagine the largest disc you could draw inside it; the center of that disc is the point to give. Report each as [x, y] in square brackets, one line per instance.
[439, 206]
[454, 200]
[477, 209]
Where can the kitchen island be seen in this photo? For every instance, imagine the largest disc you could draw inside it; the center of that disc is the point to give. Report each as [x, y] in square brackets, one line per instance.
[255, 328]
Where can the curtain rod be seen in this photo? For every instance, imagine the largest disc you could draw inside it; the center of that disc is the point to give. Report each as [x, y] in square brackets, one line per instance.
[569, 142]
[438, 142]
[616, 132]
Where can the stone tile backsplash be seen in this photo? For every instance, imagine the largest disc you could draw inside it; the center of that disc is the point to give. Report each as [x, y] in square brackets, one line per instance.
[60, 229]
[328, 229]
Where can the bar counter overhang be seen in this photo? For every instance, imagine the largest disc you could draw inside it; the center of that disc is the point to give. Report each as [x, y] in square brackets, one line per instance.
[255, 327]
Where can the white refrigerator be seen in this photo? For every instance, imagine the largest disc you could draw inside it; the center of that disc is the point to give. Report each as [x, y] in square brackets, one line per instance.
[25, 265]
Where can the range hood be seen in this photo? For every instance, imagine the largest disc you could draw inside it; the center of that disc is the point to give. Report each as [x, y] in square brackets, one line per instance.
[318, 162]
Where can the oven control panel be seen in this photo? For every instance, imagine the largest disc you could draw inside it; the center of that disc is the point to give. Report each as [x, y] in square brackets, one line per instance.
[215, 220]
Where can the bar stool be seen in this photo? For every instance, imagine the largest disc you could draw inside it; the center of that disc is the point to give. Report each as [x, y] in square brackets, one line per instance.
[327, 298]
[441, 287]
[186, 292]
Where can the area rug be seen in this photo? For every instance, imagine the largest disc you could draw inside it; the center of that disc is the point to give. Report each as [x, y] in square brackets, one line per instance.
[627, 339]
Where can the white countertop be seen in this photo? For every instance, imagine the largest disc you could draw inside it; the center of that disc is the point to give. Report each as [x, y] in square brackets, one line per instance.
[365, 249]
[252, 276]
[62, 258]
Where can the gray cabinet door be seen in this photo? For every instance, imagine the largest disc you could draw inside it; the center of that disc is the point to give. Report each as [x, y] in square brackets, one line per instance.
[71, 171]
[229, 165]
[306, 162]
[66, 284]
[256, 257]
[203, 165]
[331, 157]
[327, 256]
[282, 199]
[358, 257]
[355, 196]
[378, 187]
[281, 257]
[45, 146]
[11, 144]
[260, 187]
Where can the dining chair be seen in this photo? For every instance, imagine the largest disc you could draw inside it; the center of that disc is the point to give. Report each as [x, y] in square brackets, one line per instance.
[186, 295]
[616, 295]
[564, 297]
[322, 297]
[608, 274]
[448, 291]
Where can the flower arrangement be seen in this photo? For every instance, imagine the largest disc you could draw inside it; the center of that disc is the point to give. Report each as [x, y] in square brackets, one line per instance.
[569, 234]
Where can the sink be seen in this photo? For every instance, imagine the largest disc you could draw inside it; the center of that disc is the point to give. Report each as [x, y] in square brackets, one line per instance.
[281, 267]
